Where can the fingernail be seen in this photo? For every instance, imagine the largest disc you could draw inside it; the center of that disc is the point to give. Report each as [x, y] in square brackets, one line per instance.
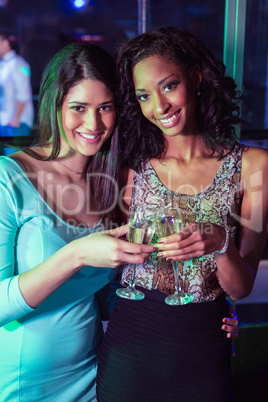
[161, 240]
[156, 246]
[168, 259]
[160, 254]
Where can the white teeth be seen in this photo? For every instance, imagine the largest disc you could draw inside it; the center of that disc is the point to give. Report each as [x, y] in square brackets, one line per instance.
[89, 137]
[169, 120]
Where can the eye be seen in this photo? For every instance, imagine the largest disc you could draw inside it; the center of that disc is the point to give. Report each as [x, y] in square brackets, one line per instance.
[78, 108]
[170, 86]
[106, 108]
[142, 97]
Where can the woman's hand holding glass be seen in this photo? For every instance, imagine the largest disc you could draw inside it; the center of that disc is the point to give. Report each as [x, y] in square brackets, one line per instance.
[170, 222]
[109, 249]
[194, 240]
[141, 230]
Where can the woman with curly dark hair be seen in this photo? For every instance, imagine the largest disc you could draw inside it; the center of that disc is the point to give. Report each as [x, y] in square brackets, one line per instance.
[217, 102]
[179, 112]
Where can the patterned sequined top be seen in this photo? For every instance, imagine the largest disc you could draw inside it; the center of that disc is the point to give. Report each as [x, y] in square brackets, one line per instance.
[219, 204]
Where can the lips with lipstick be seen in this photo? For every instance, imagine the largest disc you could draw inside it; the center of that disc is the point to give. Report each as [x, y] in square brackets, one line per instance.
[90, 138]
[171, 120]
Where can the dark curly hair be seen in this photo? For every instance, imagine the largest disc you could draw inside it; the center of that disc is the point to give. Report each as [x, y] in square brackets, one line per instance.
[217, 109]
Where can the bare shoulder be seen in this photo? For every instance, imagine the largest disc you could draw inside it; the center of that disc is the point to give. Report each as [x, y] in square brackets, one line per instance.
[17, 155]
[24, 159]
[30, 163]
[254, 160]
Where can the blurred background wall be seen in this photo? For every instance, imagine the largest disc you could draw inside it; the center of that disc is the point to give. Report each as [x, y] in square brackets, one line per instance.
[42, 27]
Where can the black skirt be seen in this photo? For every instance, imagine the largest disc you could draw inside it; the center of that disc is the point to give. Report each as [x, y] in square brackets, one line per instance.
[156, 352]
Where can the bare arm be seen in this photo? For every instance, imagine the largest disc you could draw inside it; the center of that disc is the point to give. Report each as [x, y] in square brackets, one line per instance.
[237, 267]
[103, 249]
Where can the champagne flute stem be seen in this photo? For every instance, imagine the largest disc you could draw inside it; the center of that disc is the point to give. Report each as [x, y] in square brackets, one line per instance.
[176, 276]
[132, 282]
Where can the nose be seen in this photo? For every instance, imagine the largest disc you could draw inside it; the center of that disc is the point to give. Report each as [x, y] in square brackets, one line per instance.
[161, 104]
[91, 120]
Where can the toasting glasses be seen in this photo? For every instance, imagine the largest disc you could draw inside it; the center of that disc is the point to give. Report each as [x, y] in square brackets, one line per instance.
[169, 221]
[141, 230]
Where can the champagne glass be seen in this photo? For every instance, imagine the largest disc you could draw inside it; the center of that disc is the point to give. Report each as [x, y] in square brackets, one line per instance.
[169, 222]
[141, 230]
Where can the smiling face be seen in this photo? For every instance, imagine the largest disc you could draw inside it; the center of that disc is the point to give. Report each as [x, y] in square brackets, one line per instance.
[166, 95]
[88, 117]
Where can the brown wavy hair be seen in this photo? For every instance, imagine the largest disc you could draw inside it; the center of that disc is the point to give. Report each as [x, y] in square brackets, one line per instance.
[72, 64]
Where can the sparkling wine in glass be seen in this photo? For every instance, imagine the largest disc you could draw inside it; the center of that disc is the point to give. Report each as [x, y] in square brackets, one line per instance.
[169, 222]
[141, 230]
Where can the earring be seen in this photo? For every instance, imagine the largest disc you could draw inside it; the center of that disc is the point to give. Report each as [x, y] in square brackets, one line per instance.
[198, 93]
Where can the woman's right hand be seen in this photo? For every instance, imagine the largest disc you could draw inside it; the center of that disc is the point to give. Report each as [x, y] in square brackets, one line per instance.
[108, 249]
[194, 240]
[101, 249]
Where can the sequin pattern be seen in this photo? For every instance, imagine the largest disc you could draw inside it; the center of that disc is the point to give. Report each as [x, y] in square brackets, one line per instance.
[219, 204]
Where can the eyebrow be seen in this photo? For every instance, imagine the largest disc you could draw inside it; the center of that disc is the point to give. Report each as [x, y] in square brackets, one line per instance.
[86, 104]
[159, 83]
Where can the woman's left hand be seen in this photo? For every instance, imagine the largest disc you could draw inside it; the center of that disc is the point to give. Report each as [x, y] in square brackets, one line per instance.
[195, 240]
[230, 324]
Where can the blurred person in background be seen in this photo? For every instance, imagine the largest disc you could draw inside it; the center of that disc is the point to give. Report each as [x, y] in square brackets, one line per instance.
[16, 105]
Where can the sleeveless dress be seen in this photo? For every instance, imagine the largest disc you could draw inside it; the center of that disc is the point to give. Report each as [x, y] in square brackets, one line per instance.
[48, 353]
[160, 353]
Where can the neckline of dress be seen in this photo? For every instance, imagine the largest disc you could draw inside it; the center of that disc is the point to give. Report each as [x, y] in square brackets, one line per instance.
[226, 158]
[21, 167]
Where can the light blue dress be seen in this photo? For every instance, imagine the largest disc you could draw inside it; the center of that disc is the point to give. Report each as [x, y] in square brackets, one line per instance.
[48, 353]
